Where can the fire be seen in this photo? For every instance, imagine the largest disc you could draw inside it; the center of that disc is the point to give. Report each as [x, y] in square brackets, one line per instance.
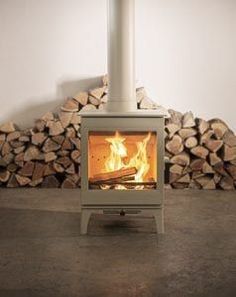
[118, 156]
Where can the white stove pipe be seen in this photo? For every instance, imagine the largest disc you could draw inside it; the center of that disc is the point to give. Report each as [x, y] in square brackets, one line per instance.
[121, 56]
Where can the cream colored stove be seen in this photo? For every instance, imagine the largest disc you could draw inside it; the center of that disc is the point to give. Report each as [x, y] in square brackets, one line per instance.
[122, 161]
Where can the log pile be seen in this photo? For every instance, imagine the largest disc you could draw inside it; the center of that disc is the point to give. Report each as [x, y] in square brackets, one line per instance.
[48, 154]
[202, 153]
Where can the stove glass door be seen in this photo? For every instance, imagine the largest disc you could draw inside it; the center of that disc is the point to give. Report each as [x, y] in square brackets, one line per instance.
[122, 160]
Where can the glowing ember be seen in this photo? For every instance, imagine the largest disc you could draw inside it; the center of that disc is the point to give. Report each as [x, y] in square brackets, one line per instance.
[118, 157]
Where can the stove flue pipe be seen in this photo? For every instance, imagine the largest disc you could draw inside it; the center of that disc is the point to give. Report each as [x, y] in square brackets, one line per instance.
[121, 56]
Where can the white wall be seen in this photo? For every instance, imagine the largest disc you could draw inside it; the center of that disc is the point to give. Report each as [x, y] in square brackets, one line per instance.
[52, 48]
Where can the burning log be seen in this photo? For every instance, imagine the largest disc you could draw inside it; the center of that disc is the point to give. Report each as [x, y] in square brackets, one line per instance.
[113, 175]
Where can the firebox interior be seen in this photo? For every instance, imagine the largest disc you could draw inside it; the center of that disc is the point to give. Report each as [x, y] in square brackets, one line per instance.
[122, 160]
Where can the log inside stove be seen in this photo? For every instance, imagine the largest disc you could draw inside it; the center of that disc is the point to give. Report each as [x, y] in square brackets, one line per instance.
[123, 176]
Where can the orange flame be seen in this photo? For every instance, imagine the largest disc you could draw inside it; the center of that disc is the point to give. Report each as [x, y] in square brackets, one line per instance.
[118, 152]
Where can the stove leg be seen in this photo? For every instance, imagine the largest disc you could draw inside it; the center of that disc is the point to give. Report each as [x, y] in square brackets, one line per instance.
[85, 216]
[159, 218]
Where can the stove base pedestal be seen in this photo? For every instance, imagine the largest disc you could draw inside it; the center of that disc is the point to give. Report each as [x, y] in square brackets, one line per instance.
[157, 213]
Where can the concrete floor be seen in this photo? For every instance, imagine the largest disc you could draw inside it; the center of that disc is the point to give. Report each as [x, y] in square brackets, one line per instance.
[43, 254]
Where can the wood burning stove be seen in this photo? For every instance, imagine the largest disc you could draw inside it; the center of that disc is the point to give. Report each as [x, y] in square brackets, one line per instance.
[122, 164]
[122, 161]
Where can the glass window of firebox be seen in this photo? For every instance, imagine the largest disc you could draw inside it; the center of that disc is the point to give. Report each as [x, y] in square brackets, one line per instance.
[122, 160]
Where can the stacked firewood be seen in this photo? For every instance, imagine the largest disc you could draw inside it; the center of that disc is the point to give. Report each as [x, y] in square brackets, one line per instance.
[202, 154]
[48, 155]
